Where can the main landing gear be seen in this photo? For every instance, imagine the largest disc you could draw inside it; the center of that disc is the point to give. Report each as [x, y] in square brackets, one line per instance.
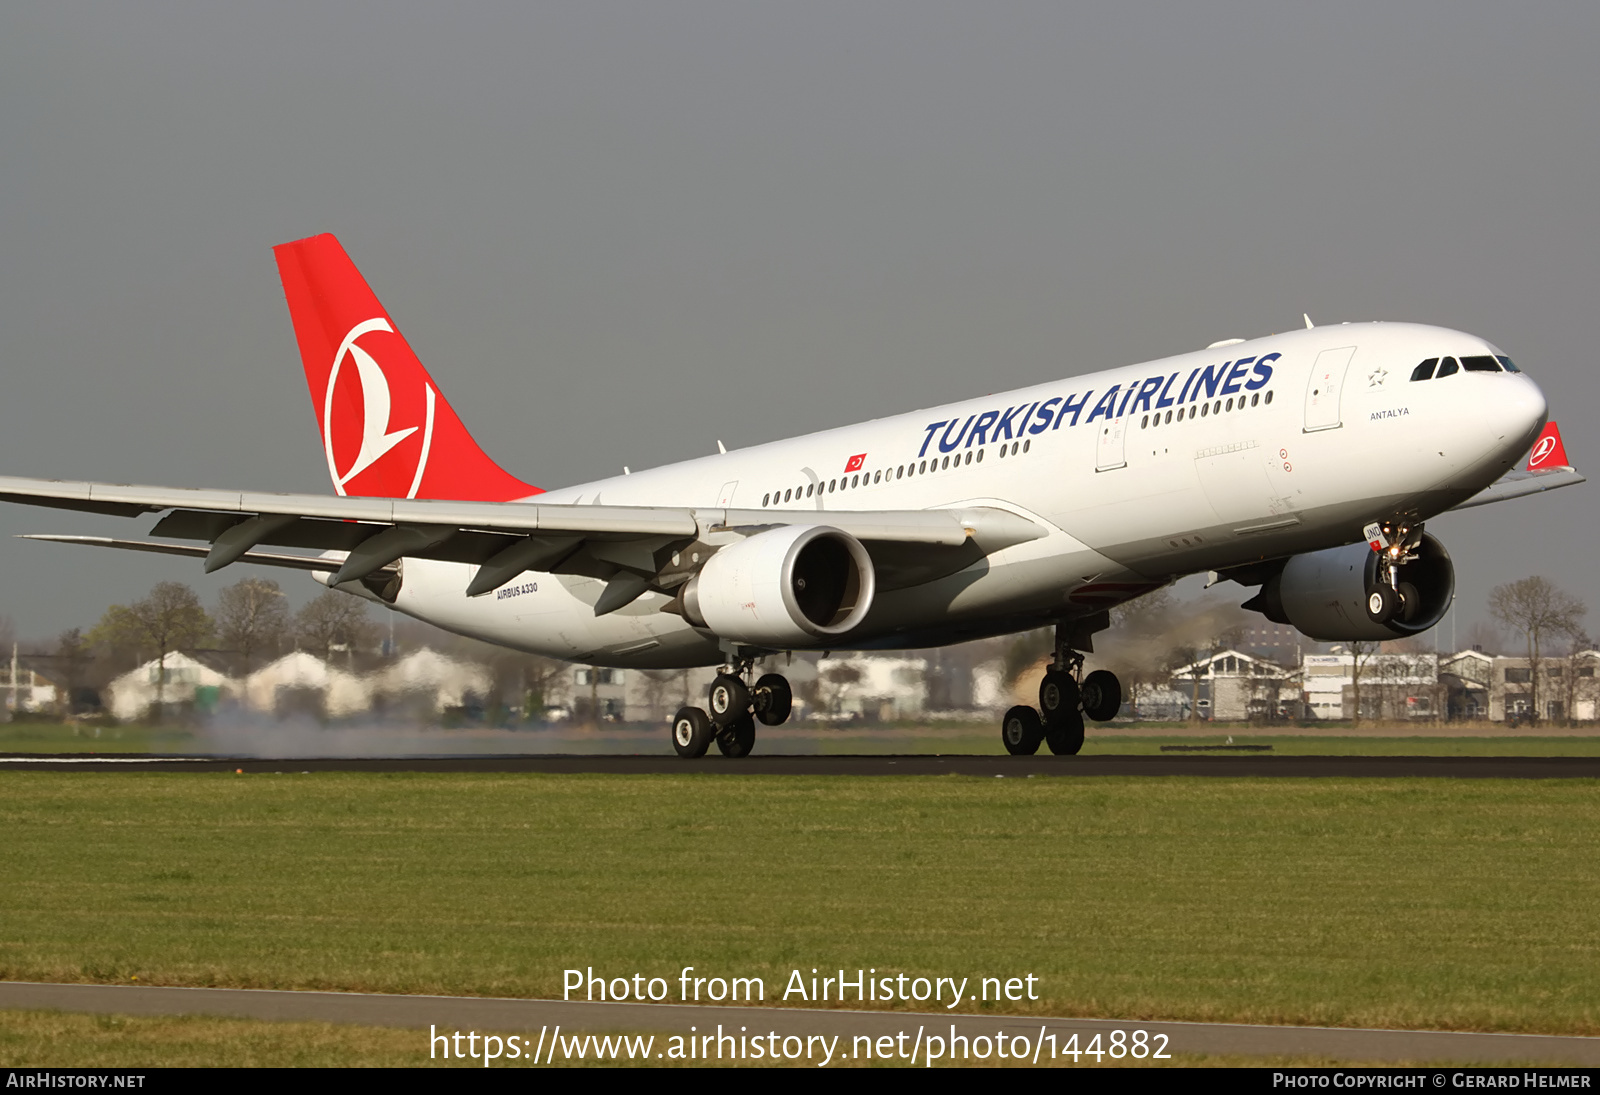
[732, 710]
[1066, 697]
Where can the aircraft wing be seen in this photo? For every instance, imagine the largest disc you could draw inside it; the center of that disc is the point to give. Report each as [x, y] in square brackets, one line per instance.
[506, 539]
[1547, 469]
[1517, 484]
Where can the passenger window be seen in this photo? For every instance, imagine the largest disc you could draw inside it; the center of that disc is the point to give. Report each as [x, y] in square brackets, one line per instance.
[1482, 364]
[1269, 397]
[945, 466]
[1424, 371]
[1508, 363]
[1026, 444]
[877, 477]
[831, 483]
[1143, 422]
[969, 457]
[765, 498]
[1229, 407]
[980, 456]
[1255, 399]
[1205, 409]
[786, 495]
[1447, 367]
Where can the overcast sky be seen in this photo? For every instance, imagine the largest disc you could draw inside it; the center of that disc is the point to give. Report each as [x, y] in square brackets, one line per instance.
[618, 232]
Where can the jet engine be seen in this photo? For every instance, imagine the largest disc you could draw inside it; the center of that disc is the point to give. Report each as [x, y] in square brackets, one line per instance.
[1340, 594]
[787, 587]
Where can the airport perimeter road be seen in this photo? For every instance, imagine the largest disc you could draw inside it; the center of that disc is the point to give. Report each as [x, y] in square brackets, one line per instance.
[778, 765]
[527, 1017]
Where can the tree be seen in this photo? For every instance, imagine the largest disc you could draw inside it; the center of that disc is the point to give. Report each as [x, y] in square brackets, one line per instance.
[72, 654]
[1542, 612]
[170, 618]
[333, 619]
[1361, 652]
[252, 617]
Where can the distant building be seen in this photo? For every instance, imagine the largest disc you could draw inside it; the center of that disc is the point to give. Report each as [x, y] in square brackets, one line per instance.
[1234, 686]
[302, 684]
[31, 691]
[189, 681]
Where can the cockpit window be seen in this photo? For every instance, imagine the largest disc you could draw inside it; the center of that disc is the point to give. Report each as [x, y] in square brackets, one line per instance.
[1508, 363]
[1483, 364]
[1425, 370]
[1447, 367]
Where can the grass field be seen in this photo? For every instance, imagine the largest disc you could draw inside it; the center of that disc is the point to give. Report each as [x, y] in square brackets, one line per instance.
[1401, 903]
[292, 741]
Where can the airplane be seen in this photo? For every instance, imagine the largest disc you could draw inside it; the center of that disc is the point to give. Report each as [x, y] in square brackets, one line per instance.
[1303, 464]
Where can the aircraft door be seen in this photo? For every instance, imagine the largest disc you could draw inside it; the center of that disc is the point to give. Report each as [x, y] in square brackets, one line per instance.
[725, 495]
[1323, 388]
[1111, 445]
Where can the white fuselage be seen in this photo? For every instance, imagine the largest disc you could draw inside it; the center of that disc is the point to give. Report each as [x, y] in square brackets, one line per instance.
[1303, 438]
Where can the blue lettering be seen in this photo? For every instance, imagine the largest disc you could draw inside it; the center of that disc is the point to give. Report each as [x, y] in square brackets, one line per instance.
[980, 431]
[1107, 404]
[1240, 369]
[1069, 407]
[945, 444]
[1025, 418]
[1183, 395]
[1210, 377]
[1004, 423]
[927, 440]
[1165, 400]
[1127, 396]
[1263, 372]
[1045, 414]
[1146, 390]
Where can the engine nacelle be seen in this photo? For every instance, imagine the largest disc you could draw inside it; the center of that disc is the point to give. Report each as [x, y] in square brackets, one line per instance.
[783, 588]
[1329, 595]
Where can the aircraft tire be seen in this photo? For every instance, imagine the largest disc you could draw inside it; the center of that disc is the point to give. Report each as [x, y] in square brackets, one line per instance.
[691, 732]
[1383, 604]
[1065, 738]
[1058, 697]
[1102, 695]
[738, 738]
[729, 700]
[1021, 731]
[773, 699]
[1410, 602]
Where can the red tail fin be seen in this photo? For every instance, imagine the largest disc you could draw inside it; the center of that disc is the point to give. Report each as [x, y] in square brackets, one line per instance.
[386, 430]
[1548, 451]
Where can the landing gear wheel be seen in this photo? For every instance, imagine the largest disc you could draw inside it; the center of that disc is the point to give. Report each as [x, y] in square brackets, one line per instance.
[1021, 731]
[1102, 695]
[772, 699]
[1058, 695]
[1382, 604]
[1065, 738]
[729, 699]
[1410, 601]
[737, 739]
[691, 732]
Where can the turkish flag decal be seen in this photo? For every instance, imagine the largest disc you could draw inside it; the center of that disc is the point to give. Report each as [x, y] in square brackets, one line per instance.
[855, 462]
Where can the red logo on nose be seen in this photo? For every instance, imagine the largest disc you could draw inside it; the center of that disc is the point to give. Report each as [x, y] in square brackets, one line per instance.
[855, 463]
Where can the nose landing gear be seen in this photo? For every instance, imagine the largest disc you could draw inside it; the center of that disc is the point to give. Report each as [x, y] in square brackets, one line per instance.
[1066, 697]
[734, 708]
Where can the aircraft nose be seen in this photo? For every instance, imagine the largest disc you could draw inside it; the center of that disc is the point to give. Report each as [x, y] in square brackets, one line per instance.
[1518, 413]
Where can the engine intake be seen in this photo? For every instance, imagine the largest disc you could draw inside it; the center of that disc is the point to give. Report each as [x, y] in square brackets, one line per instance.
[783, 588]
[1336, 596]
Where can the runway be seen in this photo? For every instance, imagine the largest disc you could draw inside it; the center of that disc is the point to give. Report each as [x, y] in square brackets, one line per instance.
[527, 1017]
[1230, 766]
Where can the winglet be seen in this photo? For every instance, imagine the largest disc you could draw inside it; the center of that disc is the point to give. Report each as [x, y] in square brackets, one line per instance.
[1548, 451]
[387, 430]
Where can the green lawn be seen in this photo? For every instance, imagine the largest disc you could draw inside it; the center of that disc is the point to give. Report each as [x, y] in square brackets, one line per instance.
[1405, 903]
